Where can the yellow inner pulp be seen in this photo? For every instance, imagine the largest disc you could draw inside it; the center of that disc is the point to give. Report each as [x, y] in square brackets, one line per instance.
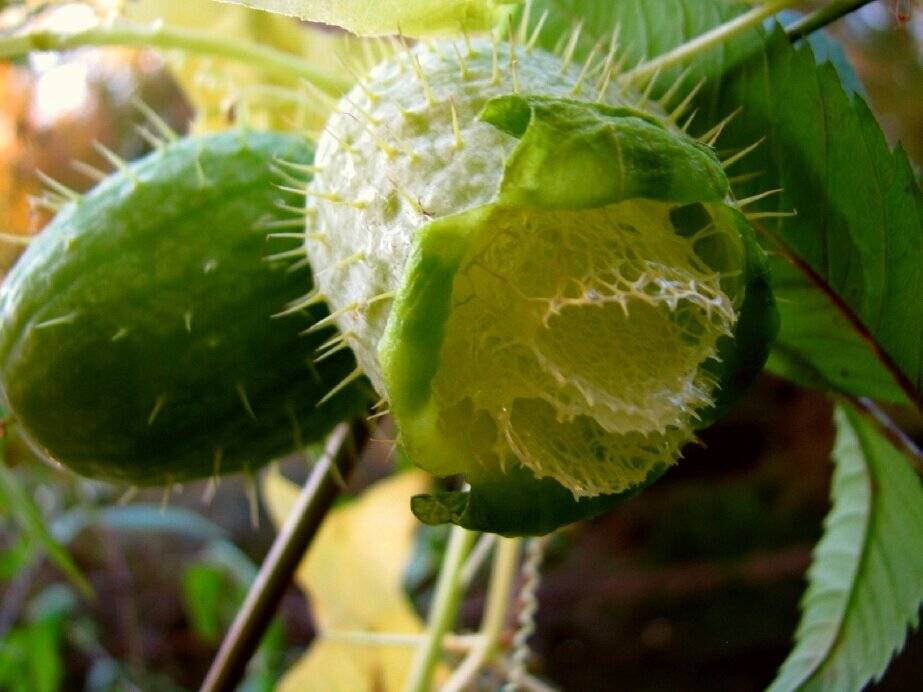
[577, 340]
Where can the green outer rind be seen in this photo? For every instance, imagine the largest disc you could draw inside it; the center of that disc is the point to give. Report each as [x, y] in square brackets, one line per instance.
[515, 502]
[578, 155]
[409, 352]
[167, 253]
[741, 358]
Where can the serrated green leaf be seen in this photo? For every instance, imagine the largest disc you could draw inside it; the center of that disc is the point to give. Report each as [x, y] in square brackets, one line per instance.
[814, 326]
[860, 217]
[865, 586]
[376, 17]
[860, 222]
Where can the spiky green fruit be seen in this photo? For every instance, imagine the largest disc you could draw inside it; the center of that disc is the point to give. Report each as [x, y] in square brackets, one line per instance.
[137, 341]
[549, 282]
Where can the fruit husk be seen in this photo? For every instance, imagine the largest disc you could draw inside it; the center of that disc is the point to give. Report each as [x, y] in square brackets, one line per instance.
[571, 155]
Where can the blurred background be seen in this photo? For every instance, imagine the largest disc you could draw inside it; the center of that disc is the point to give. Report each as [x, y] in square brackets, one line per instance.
[693, 587]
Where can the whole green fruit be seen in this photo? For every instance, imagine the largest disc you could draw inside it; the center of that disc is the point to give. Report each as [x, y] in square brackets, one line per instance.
[137, 338]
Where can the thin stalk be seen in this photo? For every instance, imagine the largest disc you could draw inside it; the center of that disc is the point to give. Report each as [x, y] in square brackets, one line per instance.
[460, 643]
[166, 37]
[443, 611]
[499, 594]
[825, 15]
[478, 556]
[706, 41]
[318, 495]
[527, 683]
[15, 238]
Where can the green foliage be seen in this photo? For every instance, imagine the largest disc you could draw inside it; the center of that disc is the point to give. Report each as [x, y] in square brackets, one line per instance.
[31, 655]
[139, 518]
[865, 586]
[859, 218]
[15, 557]
[17, 502]
[137, 339]
[818, 345]
[213, 587]
[209, 600]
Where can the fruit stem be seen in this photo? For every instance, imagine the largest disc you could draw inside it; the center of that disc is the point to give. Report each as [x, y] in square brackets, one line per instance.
[822, 17]
[443, 611]
[499, 595]
[287, 551]
[158, 35]
[720, 34]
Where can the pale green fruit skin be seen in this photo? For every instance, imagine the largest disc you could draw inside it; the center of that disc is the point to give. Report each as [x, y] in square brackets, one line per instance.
[412, 171]
[427, 174]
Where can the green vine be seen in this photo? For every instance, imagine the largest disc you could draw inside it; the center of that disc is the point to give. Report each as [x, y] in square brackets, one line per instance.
[166, 38]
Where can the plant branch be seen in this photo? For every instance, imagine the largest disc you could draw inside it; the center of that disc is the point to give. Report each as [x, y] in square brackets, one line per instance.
[318, 495]
[166, 37]
[825, 15]
[499, 594]
[443, 611]
[706, 41]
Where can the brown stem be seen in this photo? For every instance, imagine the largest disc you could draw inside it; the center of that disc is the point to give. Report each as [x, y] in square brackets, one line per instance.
[287, 551]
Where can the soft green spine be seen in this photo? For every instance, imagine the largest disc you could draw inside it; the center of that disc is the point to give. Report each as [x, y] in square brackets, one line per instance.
[137, 337]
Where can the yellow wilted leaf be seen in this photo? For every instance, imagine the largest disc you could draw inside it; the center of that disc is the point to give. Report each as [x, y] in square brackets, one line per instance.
[352, 574]
[377, 17]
